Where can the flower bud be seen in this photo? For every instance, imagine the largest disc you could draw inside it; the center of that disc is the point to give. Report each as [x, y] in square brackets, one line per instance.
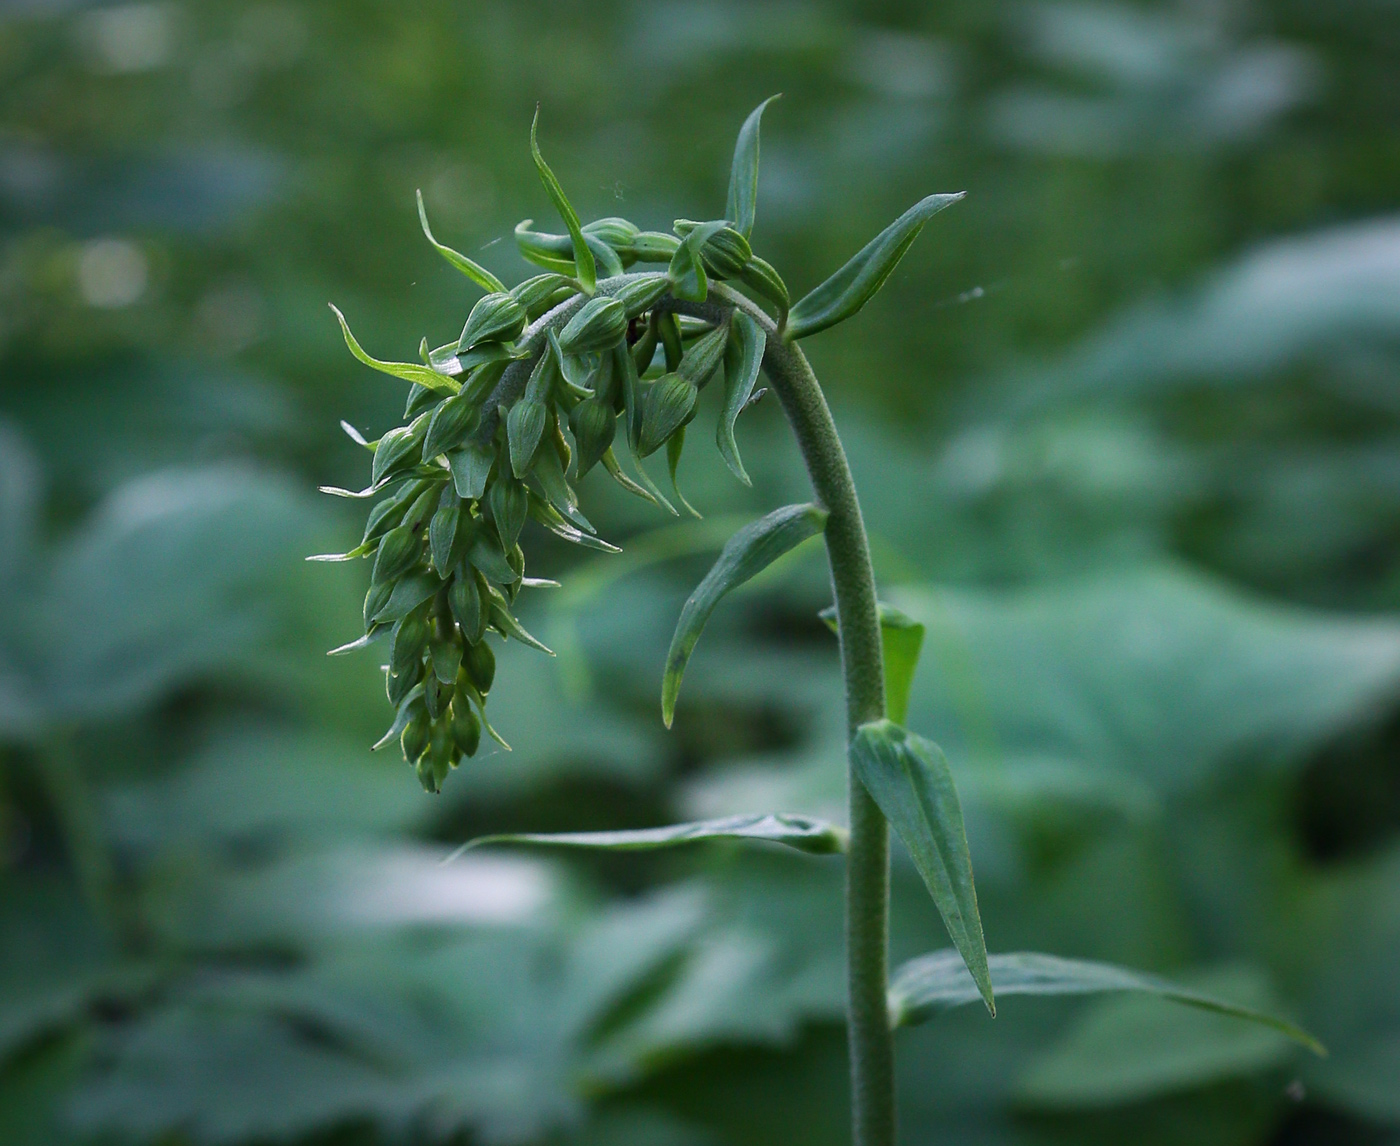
[725, 254]
[450, 423]
[764, 280]
[617, 233]
[406, 643]
[524, 428]
[495, 318]
[509, 504]
[442, 535]
[398, 685]
[424, 770]
[388, 513]
[399, 448]
[464, 599]
[669, 405]
[704, 355]
[480, 663]
[437, 696]
[538, 294]
[398, 553]
[600, 324]
[652, 247]
[442, 751]
[466, 728]
[594, 424]
[414, 738]
[640, 294]
[375, 600]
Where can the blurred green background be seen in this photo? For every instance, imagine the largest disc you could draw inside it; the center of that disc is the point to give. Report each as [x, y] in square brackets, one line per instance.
[1126, 423]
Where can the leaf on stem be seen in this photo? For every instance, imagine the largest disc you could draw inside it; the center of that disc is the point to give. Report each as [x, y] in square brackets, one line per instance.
[902, 638]
[855, 284]
[940, 980]
[583, 253]
[750, 551]
[473, 270]
[743, 355]
[408, 371]
[816, 837]
[909, 778]
[743, 173]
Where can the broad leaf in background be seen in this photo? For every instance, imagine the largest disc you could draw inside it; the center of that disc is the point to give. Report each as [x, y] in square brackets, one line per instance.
[751, 550]
[799, 832]
[909, 778]
[855, 284]
[935, 982]
[742, 203]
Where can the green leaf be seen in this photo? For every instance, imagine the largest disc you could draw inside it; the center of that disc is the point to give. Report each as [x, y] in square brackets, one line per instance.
[674, 445]
[743, 173]
[583, 253]
[815, 837]
[473, 270]
[855, 284]
[743, 355]
[909, 778]
[750, 551]
[408, 371]
[687, 269]
[940, 981]
[902, 638]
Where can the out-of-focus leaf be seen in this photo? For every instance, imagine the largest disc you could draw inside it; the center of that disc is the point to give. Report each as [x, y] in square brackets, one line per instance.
[585, 266]
[800, 832]
[742, 203]
[472, 269]
[751, 550]
[856, 283]
[743, 356]
[1136, 1047]
[408, 371]
[909, 778]
[932, 983]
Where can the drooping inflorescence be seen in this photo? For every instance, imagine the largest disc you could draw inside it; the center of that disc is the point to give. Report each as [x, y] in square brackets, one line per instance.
[501, 423]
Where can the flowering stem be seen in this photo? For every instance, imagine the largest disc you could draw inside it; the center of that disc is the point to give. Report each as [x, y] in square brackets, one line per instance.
[853, 582]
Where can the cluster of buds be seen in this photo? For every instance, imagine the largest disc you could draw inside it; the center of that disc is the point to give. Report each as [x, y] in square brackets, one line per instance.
[501, 424]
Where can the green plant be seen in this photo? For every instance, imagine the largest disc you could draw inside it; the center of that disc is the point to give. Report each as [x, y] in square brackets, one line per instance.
[485, 447]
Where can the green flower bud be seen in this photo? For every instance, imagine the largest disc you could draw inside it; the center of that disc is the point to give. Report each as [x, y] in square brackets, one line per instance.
[398, 553]
[480, 664]
[641, 293]
[437, 696]
[450, 423]
[725, 254]
[704, 355]
[509, 504]
[600, 324]
[540, 293]
[424, 770]
[594, 423]
[399, 449]
[399, 685]
[652, 247]
[420, 398]
[464, 599]
[669, 405]
[617, 233]
[495, 318]
[442, 534]
[761, 278]
[388, 513]
[466, 728]
[409, 637]
[376, 599]
[442, 750]
[525, 425]
[414, 738]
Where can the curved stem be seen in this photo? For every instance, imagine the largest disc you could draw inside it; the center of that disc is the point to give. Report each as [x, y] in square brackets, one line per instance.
[853, 583]
[862, 665]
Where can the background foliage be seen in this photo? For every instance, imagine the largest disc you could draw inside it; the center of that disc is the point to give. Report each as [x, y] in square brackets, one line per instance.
[1127, 427]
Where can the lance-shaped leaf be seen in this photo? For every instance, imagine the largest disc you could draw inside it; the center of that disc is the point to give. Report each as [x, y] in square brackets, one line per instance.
[408, 371]
[901, 638]
[940, 980]
[855, 284]
[750, 551]
[583, 253]
[743, 173]
[816, 837]
[687, 269]
[473, 270]
[743, 355]
[908, 777]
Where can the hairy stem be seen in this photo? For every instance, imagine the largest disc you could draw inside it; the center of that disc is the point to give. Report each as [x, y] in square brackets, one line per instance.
[853, 583]
[862, 665]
